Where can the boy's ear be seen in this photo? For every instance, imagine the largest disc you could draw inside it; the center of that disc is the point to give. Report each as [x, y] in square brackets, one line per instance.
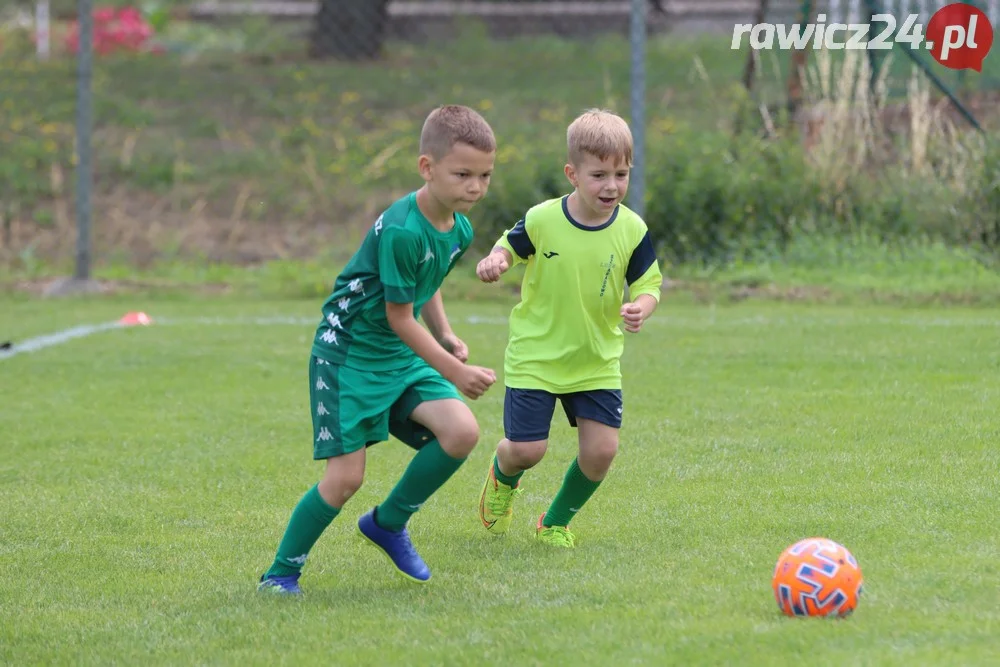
[424, 164]
[570, 171]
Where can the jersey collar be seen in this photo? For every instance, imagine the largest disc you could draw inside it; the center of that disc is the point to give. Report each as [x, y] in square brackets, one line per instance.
[587, 228]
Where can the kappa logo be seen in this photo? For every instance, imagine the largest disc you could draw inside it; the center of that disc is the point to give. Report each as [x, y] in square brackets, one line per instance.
[324, 435]
[429, 256]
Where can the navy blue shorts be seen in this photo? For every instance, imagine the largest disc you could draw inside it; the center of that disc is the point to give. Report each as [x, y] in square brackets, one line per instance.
[527, 413]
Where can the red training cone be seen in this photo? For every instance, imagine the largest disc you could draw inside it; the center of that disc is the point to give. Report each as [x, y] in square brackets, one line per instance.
[135, 318]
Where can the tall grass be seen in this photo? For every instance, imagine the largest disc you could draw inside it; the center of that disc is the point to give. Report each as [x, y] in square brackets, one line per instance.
[853, 125]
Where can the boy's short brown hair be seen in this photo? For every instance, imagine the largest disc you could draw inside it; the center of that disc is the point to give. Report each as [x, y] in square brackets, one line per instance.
[600, 133]
[452, 124]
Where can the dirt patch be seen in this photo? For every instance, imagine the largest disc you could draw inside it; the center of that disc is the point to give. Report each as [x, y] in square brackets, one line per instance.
[142, 229]
[59, 287]
[706, 292]
[806, 293]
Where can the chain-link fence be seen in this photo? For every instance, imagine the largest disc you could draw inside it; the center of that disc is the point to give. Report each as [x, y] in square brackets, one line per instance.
[247, 130]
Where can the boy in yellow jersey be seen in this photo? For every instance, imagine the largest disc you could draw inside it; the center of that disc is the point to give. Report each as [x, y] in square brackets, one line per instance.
[581, 251]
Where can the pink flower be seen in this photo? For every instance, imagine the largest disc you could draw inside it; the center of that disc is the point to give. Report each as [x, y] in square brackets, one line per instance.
[122, 29]
[104, 14]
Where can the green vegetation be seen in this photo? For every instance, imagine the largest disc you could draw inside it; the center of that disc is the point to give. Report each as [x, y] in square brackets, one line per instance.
[234, 147]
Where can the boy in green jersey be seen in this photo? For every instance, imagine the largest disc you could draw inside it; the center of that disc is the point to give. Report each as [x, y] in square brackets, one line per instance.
[581, 251]
[375, 371]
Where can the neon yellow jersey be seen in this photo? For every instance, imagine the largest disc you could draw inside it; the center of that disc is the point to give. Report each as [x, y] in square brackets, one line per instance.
[564, 334]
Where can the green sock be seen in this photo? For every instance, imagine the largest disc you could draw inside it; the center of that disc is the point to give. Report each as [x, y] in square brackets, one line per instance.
[427, 472]
[576, 489]
[309, 519]
[509, 480]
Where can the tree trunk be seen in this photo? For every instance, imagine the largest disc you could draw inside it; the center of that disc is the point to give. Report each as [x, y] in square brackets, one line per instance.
[349, 29]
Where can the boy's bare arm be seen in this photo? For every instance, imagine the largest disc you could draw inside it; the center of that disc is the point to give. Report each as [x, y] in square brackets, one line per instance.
[472, 381]
[648, 304]
[437, 322]
[637, 312]
[434, 316]
[494, 265]
[503, 251]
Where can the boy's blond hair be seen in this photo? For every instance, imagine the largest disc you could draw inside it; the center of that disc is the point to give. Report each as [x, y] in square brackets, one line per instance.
[600, 133]
[452, 124]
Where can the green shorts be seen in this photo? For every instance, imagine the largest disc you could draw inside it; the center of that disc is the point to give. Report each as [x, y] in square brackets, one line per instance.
[353, 408]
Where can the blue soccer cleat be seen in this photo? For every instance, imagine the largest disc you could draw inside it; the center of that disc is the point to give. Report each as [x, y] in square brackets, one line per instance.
[397, 546]
[288, 585]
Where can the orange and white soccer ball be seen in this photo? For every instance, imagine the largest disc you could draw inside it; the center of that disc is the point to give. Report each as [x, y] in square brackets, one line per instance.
[817, 577]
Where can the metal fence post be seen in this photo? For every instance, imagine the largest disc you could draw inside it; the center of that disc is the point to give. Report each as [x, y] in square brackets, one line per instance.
[637, 187]
[83, 139]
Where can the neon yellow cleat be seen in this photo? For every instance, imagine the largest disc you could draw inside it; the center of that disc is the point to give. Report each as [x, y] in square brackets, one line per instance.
[554, 536]
[495, 503]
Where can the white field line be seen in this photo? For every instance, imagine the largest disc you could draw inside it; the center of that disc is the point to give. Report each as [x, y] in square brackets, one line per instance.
[57, 338]
[659, 320]
[67, 335]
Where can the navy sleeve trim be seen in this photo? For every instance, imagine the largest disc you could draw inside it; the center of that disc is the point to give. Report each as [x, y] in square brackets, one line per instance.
[519, 241]
[642, 258]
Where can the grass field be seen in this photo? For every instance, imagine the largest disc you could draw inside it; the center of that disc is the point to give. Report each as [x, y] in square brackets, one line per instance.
[148, 475]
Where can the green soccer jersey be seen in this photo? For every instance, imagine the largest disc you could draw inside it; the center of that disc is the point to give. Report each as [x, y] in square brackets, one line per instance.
[403, 259]
[564, 334]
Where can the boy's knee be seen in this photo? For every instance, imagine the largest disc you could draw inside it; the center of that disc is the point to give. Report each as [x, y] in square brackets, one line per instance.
[336, 492]
[461, 438]
[352, 484]
[525, 455]
[599, 456]
[339, 484]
